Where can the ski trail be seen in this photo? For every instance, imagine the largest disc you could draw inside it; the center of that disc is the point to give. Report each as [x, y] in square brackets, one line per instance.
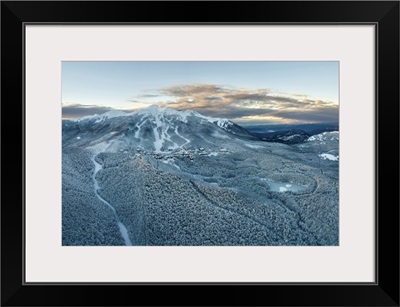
[168, 136]
[182, 137]
[122, 228]
[139, 127]
[158, 136]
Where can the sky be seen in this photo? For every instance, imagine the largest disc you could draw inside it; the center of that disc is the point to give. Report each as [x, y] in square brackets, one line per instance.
[244, 92]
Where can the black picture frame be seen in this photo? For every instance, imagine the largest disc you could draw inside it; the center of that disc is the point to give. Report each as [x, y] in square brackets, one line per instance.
[383, 14]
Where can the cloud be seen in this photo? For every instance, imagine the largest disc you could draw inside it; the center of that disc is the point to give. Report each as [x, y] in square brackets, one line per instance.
[148, 96]
[212, 98]
[75, 110]
[192, 89]
[239, 104]
[246, 95]
[328, 114]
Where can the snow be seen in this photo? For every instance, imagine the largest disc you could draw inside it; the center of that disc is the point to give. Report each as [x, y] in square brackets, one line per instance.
[139, 126]
[78, 137]
[253, 146]
[182, 137]
[334, 135]
[95, 116]
[167, 137]
[102, 117]
[160, 115]
[182, 115]
[220, 135]
[174, 146]
[124, 234]
[114, 113]
[122, 228]
[282, 187]
[287, 138]
[158, 140]
[163, 122]
[326, 156]
[317, 137]
[161, 129]
[213, 154]
[160, 112]
[223, 123]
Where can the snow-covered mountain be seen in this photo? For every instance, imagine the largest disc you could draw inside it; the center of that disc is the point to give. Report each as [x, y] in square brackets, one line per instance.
[156, 129]
[325, 137]
[99, 118]
[163, 177]
[325, 144]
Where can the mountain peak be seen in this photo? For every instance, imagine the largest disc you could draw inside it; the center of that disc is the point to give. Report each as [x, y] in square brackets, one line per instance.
[157, 128]
[99, 118]
[114, 113]
[157, 110]
[183, 115]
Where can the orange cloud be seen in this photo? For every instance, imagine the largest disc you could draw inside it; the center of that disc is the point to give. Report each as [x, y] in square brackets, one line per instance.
[246, 104]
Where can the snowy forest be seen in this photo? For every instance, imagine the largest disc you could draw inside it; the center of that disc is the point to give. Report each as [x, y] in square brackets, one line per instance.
[161, 177]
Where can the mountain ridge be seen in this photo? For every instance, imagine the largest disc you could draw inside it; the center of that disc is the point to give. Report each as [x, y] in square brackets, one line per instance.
[157, 129]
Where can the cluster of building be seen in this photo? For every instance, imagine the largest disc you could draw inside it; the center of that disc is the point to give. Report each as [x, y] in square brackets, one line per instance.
[183, 153]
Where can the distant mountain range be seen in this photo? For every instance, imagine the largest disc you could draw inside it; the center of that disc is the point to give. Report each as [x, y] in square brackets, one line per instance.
[308, 128]
[289, 134]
